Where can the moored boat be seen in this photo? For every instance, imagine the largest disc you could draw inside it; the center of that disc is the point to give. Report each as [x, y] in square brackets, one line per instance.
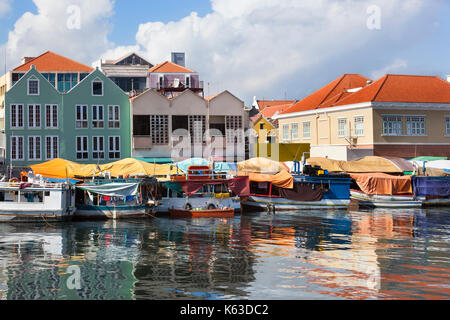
[435, 191]
[202, 213]
[386, 201]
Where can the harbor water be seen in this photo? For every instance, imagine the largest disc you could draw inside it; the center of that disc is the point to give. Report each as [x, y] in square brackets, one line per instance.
[355, 254]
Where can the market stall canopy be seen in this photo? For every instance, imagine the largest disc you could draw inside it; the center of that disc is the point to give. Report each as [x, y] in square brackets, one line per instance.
[62, 169]
[364, 165]
[261, 165]
[282, 179]
[184, 165]
[382, 184]
[134, 167]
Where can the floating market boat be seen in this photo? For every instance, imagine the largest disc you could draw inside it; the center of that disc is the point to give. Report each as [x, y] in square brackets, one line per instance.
[202, 213]
[36, 200]
[115, 199]
[283, 191]
[435, 191]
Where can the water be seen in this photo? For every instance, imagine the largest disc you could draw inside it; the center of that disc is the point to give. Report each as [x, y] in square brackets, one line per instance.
[380, 254]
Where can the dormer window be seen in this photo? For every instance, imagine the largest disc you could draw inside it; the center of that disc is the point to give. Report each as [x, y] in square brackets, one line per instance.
[97, 88]
[33, 87]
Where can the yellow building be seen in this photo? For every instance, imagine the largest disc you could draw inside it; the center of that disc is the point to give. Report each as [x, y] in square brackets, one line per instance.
[351, 117]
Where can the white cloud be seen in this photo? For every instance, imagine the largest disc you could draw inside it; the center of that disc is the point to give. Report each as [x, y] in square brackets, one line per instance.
[48, 29]
[396, 66]
[5, 7]
[269, 47]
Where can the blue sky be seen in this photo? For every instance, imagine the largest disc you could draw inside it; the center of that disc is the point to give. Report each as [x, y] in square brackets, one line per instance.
[270, 49]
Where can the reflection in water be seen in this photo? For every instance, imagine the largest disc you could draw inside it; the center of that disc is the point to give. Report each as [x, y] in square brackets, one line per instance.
[380, 254]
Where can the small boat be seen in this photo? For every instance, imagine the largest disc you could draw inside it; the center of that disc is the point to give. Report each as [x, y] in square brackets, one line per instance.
[36, 200]
[386, 201]
[115, 198]
[202, 213]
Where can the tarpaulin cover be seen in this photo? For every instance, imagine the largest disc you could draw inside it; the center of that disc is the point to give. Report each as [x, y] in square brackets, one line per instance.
[225, 166]
[112, 189]
[184, 165]
[364, 165]
[62, 169]
[303, 192]
[133, 167]
[431, 186]
[383, 184]
[261, 165]
[283, 179]
[240, 185]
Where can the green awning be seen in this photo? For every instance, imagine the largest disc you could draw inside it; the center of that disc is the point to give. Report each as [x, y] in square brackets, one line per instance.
[427, 158]
[156, 160]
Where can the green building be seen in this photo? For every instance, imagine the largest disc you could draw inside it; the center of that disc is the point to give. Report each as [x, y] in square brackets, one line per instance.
[89, 123]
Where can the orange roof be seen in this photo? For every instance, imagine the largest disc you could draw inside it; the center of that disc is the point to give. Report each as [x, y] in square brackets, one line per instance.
[50, 61]
[262, 104]
[402, 88]
[333, 91]
[170, 67]
[269, 111]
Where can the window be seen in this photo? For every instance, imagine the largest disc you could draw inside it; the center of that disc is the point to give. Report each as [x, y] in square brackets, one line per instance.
[51, 77]
[141, 125]
[294, 131]
[97, 117]
[188, 81]
[392, 125]
[447, 125]
[16, 77]
[51, 116]
[415, 125]
[81, 116]
[34, 148]
[33, 87]
[97, 88]
[160, 129]
[114, 148]
[160, 83]
[359, 126]
[52, 147]
[34, 116]
[17, 148]
[306, 130]
[98, 148]
[234, 129]
[67, 81]
[285, 132]
[17, 115]
[342, 127]
[82, 148]
[113, 117]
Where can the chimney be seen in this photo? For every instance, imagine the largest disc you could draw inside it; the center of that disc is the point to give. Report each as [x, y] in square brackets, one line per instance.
[179, 58]
[27, 59]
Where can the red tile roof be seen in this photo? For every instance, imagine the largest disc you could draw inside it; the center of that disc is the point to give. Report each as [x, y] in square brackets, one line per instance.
[170, 67]
[269, 111]
[402, 88]
[332, 92]
[262, 104]
[50, 61]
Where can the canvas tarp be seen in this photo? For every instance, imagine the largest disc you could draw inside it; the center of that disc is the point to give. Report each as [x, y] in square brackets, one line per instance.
[184, 165]
[382, 184]
[364, 165]
[240, 185]
[282, 179]
[62, 169]
[434, 187]
[261, 165]
[133, 167]
[112, 189]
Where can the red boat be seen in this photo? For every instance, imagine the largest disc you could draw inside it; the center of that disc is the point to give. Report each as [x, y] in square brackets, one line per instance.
[202, 213]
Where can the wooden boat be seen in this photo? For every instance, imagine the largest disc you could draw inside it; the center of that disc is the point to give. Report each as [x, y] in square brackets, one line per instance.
[202, 213]
[36, 200]
[386, 201]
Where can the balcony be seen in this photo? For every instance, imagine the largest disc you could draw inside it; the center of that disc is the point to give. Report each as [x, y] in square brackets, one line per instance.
[179, 87]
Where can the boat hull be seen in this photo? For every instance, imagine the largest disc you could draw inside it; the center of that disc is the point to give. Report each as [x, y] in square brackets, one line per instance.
[261, 203]
[112, 212]
[36, 216]
[386, 201]
[214, 213]
[165, 204]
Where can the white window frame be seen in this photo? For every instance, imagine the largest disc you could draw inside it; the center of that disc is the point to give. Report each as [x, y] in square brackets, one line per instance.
[16, 148]
[395, 126]
[307, 134]
[32, 111]
[414, 128]
[294, 132]
[28, 86]
[92, 88]
[82, 151]
[359, 132]
[342, 132]
[17, 116]
[95, 148]
[96, 120]
[53, 118]
[112, 117]
[114, 150]
[52, 147]
[33, 149]
[84, 116]
[285, 131]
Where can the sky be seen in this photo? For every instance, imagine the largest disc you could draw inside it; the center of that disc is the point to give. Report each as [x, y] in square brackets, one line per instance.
[268, 49]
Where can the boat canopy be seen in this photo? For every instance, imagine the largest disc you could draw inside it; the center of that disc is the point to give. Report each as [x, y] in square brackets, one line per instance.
[382, 184]
[239, 185]
[116, 189]
[282, 179]
[184, 165]
[261, 165]
[134, 167]
[364, 165]
[431, 186]
[63, 169]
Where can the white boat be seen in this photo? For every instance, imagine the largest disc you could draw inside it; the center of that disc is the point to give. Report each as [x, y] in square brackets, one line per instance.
[170, 201]
[114, 199]
[386, 201]
[274, 203]
[36, 201]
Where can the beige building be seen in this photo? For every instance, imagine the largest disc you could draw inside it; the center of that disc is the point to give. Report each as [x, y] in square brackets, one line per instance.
[188, 125]
[397, 115]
